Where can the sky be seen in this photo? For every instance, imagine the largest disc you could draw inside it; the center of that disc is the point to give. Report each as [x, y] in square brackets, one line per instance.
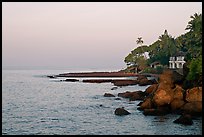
[85, 35]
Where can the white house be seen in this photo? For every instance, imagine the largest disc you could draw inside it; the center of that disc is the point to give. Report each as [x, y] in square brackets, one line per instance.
[177, 60]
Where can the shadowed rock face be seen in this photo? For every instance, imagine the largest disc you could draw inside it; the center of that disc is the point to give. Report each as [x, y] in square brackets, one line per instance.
[184, 119]
[176, 104]
[121, 111]
[193, 108]
[160, 111]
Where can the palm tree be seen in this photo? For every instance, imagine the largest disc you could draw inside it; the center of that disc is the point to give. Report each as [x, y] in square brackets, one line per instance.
[194, 22]
[140, 41]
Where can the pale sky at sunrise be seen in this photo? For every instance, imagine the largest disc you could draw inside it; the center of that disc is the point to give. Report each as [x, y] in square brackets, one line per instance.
[86, 34]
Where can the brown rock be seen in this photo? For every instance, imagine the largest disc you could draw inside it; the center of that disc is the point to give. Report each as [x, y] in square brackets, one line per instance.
[166, 78]
[194, 94]
[144, 82]
[176, 104]
[178, 92]
[193, 108]
[126, 94]
[140, 77]
[121, 111]
[146, 104]
[136, 95]
[108, 95]
[162, 97]
[151, 88]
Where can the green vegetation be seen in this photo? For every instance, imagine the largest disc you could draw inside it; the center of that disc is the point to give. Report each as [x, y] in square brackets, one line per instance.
[190, 43]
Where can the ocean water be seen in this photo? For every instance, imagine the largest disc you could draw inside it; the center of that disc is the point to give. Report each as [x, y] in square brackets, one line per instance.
[33, 104]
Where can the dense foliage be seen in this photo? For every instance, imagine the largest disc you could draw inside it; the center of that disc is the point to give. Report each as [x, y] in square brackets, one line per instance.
[166, 46]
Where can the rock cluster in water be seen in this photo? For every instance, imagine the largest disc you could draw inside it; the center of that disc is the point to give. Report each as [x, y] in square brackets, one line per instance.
[167, 96]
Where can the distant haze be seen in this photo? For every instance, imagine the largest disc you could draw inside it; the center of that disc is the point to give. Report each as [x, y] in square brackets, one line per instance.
[85, 35]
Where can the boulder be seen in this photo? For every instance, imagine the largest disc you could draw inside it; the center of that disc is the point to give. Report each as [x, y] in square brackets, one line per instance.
[121, 111]
[151, 88]
[162, 97]
[136, 95]
[164, 93]
[194, 94]
[185, 119]
[144, 82]
[193, 108]
[146, 104]
[178, 92]
[109, 95]
[176, 104]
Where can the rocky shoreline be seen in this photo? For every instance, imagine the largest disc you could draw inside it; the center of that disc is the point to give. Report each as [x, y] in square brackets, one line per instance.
[162, 97]
[165, 97]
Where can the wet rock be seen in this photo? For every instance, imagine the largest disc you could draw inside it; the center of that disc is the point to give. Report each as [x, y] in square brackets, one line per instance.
[71, 80]
[121, 111]
[139, 104]
[117, 98]
[51, 76]
[97, 80]
[185, 119]
[126, 94]
[114, 88]
[194, 94]
[136, 95]
[109, 95]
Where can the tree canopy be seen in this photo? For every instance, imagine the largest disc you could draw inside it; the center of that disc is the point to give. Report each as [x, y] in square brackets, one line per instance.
[166, 46]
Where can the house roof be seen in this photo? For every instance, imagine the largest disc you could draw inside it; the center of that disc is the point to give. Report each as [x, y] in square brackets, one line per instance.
[179, 53]
[155, 63]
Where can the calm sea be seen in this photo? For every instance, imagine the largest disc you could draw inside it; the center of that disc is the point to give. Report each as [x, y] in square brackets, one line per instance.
[33, 104]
